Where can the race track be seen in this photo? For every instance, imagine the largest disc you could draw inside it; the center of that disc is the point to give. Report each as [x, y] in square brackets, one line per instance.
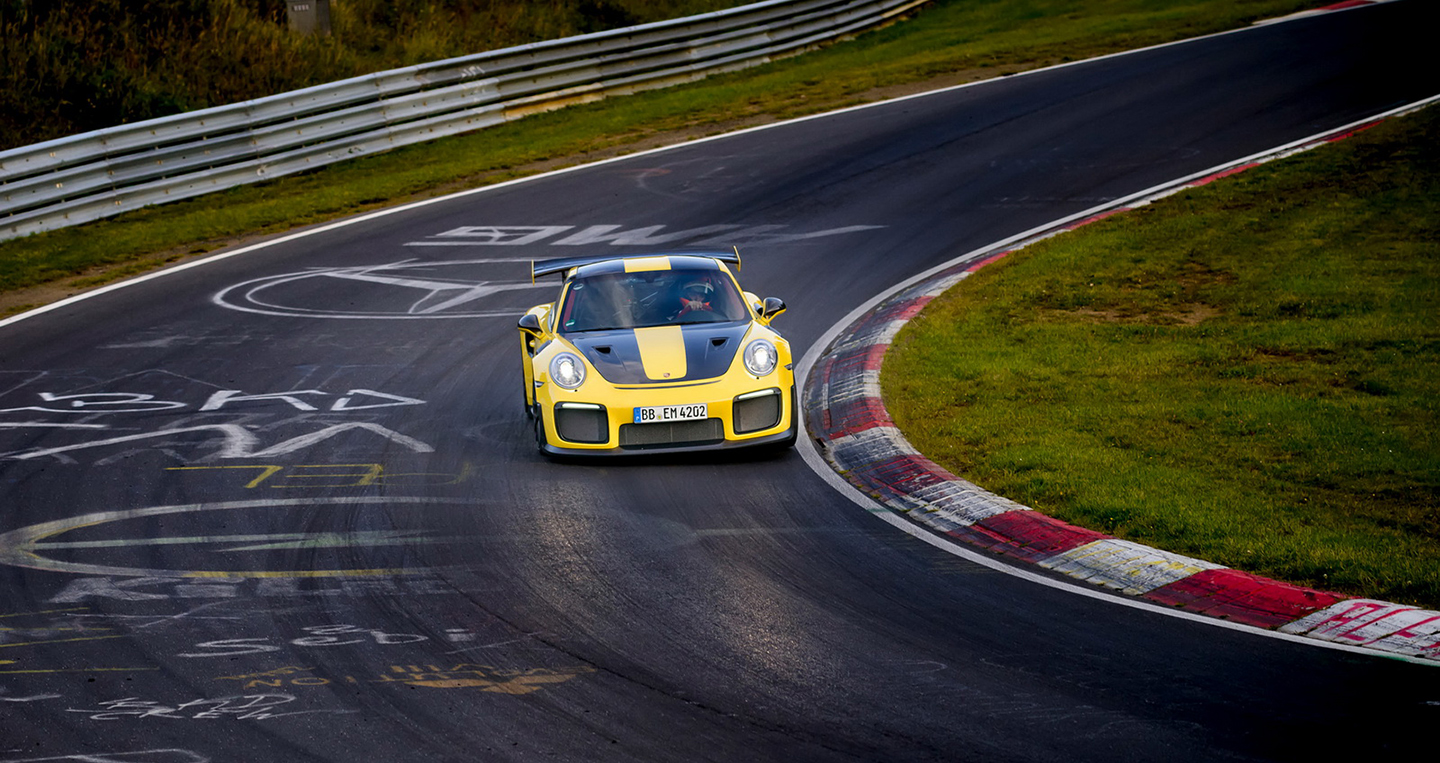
[286, 505]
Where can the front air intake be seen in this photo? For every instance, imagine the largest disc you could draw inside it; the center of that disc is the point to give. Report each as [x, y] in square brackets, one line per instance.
[757, 411]
[588, 424]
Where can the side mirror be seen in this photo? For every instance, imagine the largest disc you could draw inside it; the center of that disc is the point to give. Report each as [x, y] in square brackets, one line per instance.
[530, 323]
[773, 306]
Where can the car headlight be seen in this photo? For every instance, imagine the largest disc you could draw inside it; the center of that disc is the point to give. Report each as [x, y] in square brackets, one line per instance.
[567, 370]
[760, 357]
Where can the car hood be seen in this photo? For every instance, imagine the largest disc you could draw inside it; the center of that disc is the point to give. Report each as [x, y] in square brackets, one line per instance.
[663, 354]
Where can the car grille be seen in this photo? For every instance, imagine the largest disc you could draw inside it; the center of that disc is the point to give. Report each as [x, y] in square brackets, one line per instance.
[672, 433]
[757, 413]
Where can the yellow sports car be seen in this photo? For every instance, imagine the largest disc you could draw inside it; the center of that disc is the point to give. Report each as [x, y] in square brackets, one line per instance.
[645, 353]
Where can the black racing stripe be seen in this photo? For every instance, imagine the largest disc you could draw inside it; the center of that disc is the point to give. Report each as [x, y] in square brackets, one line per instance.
[615, 354]
[710, 347]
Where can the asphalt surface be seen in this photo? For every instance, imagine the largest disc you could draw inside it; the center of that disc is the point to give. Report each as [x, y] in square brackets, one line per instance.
[295, 512]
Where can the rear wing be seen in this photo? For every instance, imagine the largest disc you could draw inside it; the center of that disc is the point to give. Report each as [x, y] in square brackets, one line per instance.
[548, 267]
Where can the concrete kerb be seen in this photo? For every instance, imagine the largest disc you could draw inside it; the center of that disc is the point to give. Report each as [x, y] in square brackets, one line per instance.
[846, 420]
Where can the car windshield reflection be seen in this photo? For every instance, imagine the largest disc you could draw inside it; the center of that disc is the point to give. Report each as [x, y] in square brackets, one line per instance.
[650, 298]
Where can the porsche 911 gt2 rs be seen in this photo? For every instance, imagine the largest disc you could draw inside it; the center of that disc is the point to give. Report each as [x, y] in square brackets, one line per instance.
[646, 353]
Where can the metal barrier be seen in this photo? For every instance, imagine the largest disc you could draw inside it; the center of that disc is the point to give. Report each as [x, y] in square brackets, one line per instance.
[97, 174]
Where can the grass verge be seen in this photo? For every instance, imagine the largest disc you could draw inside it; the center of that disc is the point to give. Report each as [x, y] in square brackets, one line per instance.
[1247, 372]
[949, 42]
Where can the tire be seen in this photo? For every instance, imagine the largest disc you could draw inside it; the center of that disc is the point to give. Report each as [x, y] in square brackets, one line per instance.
[539, 422]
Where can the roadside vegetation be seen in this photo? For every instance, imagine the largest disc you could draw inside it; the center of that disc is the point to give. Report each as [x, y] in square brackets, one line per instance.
[1247, 372]
[70, 67]
[948, 42]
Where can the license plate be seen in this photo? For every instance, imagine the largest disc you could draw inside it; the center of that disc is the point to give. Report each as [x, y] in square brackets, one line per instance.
[661, 413]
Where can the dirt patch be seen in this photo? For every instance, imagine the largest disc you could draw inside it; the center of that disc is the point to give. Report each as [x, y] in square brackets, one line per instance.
[1180, 315]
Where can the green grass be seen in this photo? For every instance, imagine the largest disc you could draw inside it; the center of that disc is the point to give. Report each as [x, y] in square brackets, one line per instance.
[953, 38]
[1248, 372]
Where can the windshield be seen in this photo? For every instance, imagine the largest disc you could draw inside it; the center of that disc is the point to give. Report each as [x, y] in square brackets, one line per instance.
[651, 298]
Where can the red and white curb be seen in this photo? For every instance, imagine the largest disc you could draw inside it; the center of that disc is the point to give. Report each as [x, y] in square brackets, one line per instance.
[1341, 6]
[846, 419]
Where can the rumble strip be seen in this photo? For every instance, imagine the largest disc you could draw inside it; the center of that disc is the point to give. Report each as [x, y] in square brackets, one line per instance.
[846, 419]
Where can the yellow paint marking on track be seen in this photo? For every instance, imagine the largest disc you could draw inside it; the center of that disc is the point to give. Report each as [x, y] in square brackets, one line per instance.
[288, 670]
[300, 573]
[662, 352]
[47, 612]
[75, 670]
[644, 264]
[372, 473]
[283, 477]
[58, 641]
[265, 471]
[462, 676]
[12, 630]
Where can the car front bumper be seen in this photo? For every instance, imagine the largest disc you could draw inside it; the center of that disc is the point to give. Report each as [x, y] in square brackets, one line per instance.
[573, 427]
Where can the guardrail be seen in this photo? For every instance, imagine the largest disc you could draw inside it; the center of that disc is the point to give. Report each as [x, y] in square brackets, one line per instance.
[106, 172]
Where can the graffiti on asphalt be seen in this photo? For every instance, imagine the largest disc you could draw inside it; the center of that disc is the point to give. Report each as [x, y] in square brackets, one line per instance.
[151, 588]
[247, 707]
[161, 755]
[724, 235]
[224, 399]
[493, 287]
[318, 636]
[224, 441]
[45, 546]
[204, 422]
[486, 678]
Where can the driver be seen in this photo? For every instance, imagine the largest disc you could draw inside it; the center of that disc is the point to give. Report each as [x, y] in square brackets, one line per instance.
[695, 296]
